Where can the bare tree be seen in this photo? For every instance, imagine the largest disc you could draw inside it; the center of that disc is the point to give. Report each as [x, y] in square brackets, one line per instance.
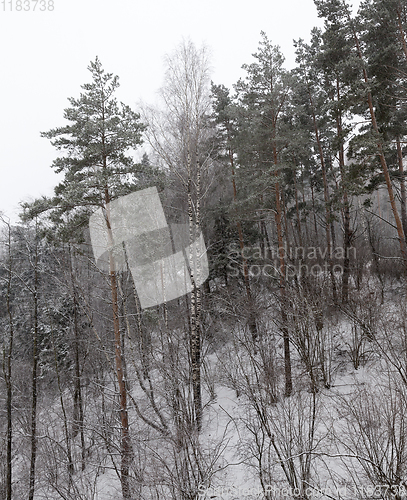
[7, 354]
[178, 135]
[372, 440]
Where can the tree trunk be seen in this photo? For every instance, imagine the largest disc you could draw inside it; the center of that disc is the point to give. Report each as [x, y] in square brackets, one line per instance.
[34, 377]
[403, 201]
[281, 252]
[8, 373]
[195, 341]
[401, 29]
[68, 437]
[326, 198]
[77, 425]
[252, 316]
[314, 209]
[347, 235]
[305, 203]
[125, 447]
[297, 209]
[285, 231]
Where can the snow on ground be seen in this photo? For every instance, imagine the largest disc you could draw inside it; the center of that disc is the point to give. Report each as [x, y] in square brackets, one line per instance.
[335, 471]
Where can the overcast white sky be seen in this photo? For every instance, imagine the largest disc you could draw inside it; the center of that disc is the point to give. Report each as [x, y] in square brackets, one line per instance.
[44, 58]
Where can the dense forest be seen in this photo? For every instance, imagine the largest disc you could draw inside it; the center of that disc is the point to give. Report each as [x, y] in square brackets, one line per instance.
[283, 375]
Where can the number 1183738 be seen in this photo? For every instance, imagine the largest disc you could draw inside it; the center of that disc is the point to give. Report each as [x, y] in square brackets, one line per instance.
[27, 5]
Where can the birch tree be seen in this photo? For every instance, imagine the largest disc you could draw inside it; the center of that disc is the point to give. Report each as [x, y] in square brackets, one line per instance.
[177, 132]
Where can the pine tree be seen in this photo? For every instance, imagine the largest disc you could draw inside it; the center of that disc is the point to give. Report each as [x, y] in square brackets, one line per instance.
[338, 17]
[98, 169]
[312, 99]
[341, 75]
[383, 37]
[226, 138]
[263, 101]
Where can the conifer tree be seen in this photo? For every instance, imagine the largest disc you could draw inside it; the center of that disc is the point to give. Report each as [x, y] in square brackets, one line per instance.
[263, 101]
[337, 16]
[98, 168]
[312, 98]
[226, 138]
[383, 24]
